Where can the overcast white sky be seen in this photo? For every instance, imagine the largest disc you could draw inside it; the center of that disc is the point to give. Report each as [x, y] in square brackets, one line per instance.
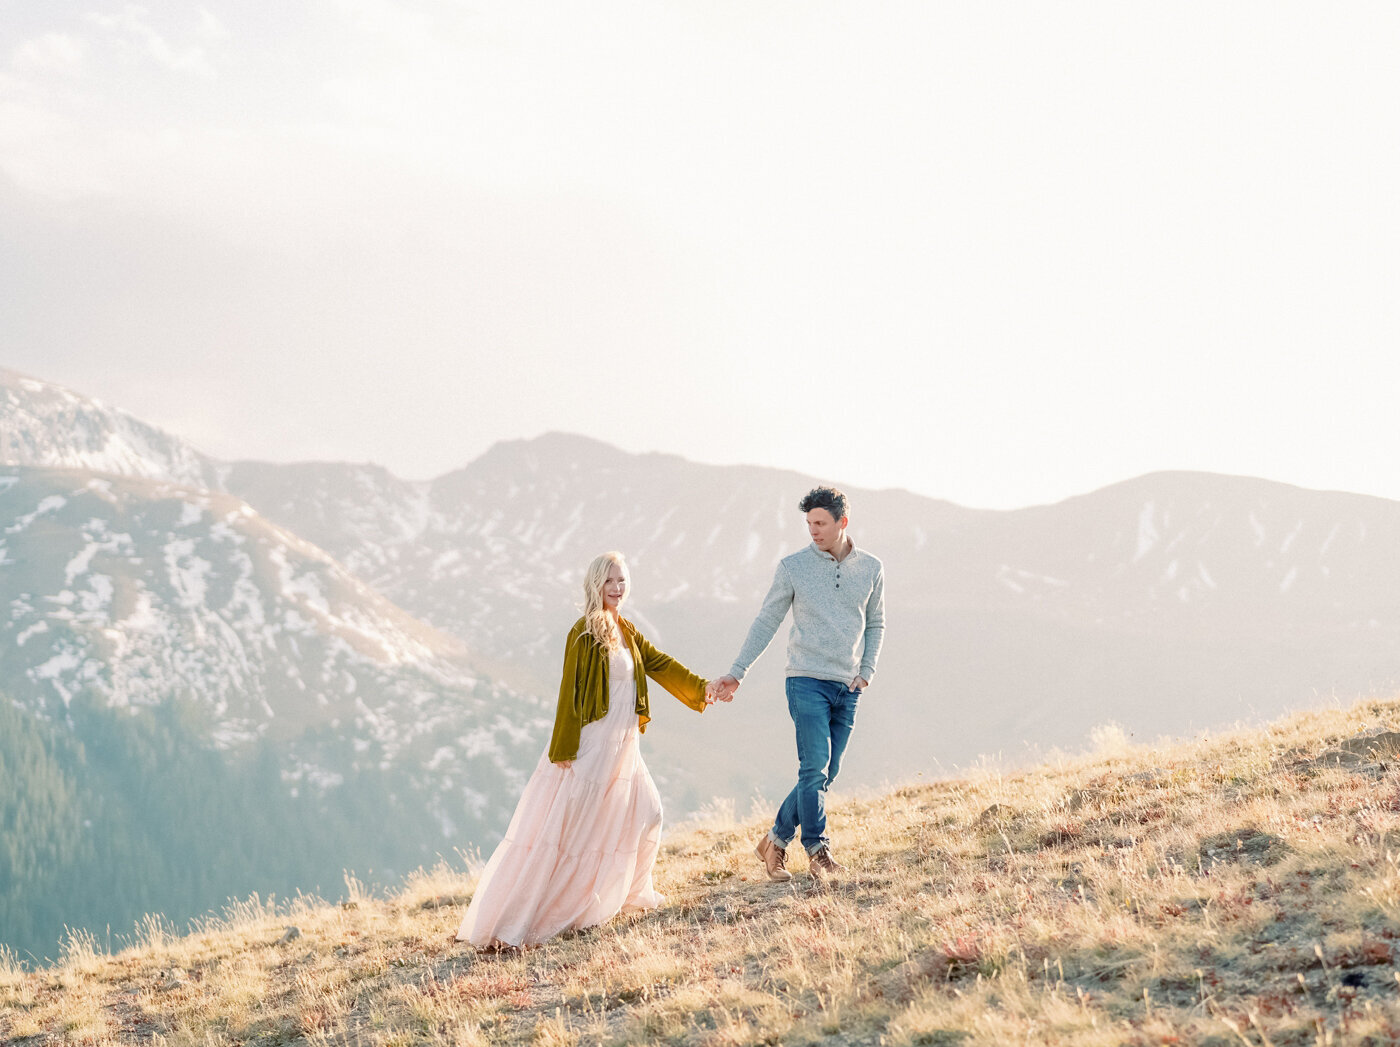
[999, 253]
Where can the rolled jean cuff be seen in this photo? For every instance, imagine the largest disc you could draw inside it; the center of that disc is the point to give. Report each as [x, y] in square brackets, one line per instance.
[773, 838]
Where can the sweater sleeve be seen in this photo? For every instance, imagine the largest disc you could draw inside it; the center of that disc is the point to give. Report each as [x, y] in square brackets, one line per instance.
[874, 627]
[568, 717]
[770, 616]
[673, 676]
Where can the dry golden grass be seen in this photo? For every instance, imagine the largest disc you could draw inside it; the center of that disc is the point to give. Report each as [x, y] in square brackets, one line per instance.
[1225, 891]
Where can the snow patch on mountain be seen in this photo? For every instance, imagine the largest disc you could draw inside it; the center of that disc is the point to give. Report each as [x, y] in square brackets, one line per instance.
[49, 505]
[33, 630]
[56, 671]
[1147, 535]
[188, 573]
[1258, 528]
[1288, 539]
[1331, 537]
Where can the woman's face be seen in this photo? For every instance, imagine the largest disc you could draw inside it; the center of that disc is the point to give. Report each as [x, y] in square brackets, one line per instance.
[615, 587]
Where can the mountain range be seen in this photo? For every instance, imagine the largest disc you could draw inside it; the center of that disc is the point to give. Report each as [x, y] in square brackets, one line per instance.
[348, 617]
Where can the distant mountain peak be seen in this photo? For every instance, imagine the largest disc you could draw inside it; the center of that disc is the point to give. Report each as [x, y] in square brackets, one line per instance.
[553, 447]
[45, 424]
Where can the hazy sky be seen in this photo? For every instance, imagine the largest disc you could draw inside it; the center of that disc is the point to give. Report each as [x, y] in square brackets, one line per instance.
[992, 252]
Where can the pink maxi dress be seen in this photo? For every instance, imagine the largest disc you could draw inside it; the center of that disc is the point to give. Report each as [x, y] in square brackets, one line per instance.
[582, 842]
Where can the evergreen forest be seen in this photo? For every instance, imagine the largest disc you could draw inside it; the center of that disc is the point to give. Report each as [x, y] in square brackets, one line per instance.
[111, 814]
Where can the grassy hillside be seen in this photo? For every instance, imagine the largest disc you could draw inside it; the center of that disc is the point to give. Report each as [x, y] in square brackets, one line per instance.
[1239, 889]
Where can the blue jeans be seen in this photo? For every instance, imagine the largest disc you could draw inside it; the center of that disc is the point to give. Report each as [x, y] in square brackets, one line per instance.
[824, 712]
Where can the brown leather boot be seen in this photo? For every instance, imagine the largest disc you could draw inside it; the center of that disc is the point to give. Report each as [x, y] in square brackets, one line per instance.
[824, 866]
[774, 859]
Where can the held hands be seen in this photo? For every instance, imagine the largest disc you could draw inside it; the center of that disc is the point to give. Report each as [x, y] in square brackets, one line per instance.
[564, 764]
[721, 690]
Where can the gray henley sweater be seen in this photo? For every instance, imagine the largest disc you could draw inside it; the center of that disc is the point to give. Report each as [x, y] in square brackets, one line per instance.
[838, 616]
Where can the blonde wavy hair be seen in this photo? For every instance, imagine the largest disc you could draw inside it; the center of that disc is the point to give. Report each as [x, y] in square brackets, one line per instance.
[595, 613]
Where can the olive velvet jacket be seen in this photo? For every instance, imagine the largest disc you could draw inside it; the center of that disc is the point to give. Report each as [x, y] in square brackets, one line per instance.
[583, 687]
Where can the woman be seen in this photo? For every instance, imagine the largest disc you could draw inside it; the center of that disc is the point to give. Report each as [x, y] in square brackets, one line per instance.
[583, 840]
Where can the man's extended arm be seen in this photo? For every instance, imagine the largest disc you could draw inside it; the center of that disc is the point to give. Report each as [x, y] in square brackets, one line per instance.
[770, 616]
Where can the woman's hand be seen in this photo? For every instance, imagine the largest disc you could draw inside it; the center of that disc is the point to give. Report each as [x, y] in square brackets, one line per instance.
[563, 764]
[721, 690]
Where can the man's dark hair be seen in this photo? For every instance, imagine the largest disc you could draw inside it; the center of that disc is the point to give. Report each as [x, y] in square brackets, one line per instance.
[828, 498]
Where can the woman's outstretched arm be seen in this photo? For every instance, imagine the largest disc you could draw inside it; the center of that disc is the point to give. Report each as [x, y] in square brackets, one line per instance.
[673, 676]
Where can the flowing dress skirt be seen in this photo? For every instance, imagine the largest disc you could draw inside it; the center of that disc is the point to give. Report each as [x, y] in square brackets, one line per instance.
[582, 842]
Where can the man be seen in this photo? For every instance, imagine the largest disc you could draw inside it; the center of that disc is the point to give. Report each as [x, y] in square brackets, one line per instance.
[837, 596]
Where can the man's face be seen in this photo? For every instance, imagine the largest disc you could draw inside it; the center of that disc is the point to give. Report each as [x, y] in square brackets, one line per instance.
[826, 530]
